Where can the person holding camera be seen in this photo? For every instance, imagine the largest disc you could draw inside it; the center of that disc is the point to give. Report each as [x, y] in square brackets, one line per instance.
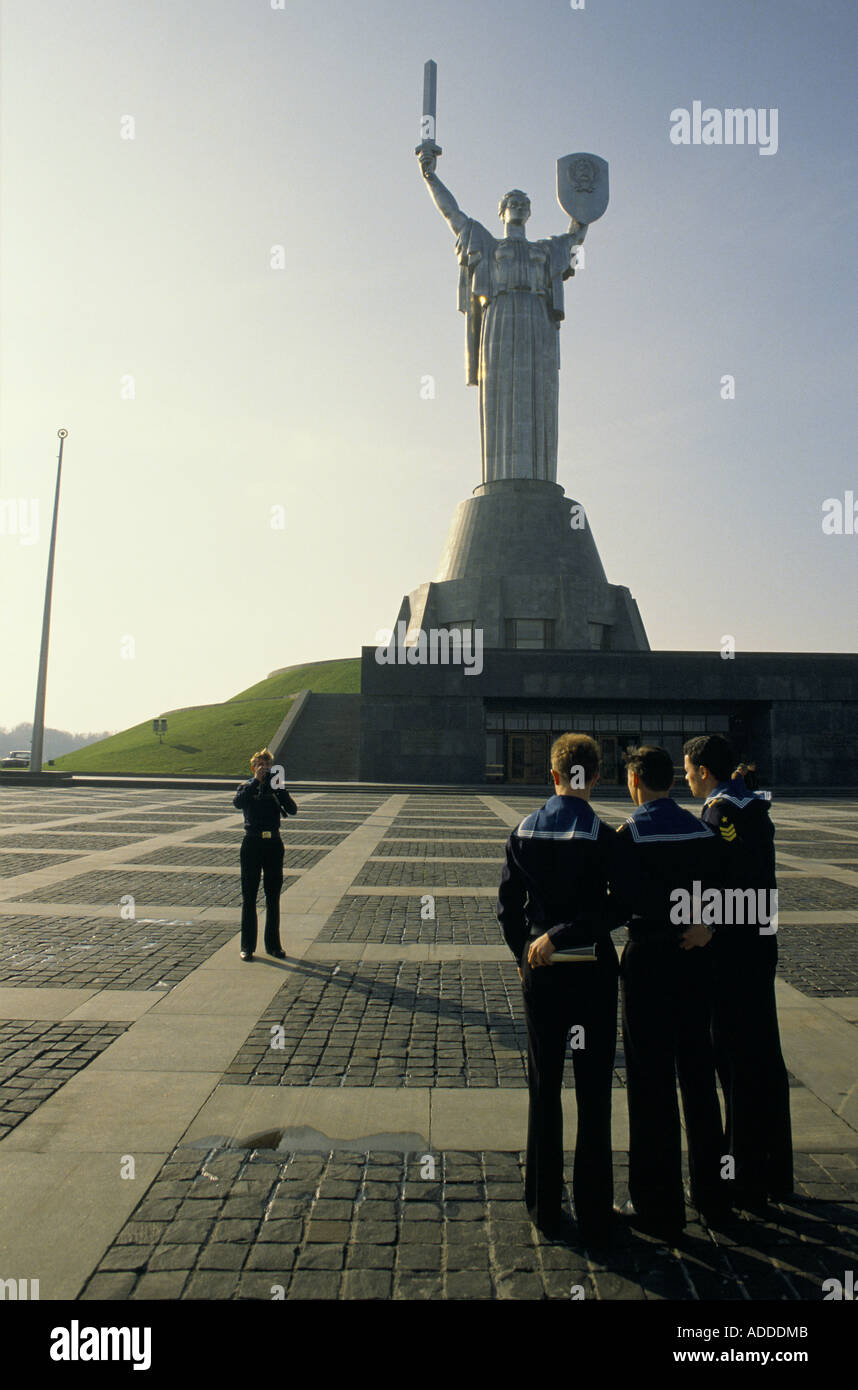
[262, 853]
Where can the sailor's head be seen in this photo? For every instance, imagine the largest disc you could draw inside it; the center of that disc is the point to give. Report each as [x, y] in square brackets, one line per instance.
[514, 206]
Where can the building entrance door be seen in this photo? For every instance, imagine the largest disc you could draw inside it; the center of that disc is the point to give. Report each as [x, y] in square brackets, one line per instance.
[527, 759]
[610, 765]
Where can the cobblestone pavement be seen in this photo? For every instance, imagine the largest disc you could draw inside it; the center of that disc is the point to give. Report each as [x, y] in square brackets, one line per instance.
[145, 886]
[99, 953]
[37, 1057]
[227, 1222]
[400, 920]
[451, 1024]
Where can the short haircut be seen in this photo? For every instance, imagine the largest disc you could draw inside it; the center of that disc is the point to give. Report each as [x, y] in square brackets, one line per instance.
[263, 753]
[513, 193]
[575, 750]
[712, 751]
[654, 766]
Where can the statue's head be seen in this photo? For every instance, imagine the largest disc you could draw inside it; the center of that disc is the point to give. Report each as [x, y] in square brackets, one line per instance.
[514, 206]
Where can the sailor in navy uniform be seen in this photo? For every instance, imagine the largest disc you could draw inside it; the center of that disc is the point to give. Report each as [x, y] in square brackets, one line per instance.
[745, 1022]
[262, 853]
[666, 861]
[553, 897]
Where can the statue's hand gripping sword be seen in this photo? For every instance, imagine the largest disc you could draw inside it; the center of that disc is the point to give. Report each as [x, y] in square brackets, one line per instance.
[427, 146]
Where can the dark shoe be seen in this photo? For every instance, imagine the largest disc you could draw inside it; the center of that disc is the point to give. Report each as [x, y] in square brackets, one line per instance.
[716, 1211]
[597, 1237]
[755, 1204]
[279, 954]
[561, 1229]
[720, 1217]
[651, 1224]
[549, 1226]
[247, 955]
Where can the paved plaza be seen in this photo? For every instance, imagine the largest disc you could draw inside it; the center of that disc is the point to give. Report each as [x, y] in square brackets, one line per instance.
[348, 1123]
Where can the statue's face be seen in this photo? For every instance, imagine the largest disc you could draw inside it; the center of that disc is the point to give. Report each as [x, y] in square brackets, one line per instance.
[517, 209]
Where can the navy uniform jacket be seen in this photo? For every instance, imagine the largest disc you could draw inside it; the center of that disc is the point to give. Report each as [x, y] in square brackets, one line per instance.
[742, 822]
[661, 848]
[262, 805]
[555, 879]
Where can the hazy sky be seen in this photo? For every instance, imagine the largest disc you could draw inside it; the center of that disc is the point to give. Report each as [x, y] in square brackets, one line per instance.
[143, 265]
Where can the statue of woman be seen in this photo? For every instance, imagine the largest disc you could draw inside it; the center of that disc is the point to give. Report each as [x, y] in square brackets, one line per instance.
[511, 290]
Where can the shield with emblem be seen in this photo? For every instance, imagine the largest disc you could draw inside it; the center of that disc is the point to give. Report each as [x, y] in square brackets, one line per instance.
[582, 186]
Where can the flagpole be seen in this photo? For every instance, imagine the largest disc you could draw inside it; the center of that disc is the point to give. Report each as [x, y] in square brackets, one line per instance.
[38, 739]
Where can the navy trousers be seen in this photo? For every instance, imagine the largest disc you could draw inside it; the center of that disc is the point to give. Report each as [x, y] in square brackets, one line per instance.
[261, 858]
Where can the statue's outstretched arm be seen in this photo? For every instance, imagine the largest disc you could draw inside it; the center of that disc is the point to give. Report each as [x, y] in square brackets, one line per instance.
[441, 196]
[578, 231]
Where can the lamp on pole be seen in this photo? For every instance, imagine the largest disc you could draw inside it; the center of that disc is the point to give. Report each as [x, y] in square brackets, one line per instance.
[38, 739]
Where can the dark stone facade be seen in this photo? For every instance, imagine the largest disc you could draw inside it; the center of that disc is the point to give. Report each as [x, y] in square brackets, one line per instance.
[796, 714]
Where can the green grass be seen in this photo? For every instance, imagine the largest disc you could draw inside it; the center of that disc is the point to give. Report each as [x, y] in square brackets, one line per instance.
[213, 739]
[325, 677]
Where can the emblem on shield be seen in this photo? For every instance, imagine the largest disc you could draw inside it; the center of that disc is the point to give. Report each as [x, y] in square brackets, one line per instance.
[582, 186]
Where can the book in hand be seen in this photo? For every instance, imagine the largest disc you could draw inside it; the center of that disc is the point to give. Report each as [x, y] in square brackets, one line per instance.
[574, 954]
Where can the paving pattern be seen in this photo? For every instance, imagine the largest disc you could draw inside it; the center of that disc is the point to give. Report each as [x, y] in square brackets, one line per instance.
[101, 953]
[260, 1224]
[38, 1057]
[231, 1222]
[450, 1024]
[408, 920]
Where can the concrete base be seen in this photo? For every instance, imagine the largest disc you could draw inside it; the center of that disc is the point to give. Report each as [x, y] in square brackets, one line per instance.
[521, 549]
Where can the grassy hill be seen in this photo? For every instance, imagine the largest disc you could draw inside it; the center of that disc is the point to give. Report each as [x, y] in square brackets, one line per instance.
[214, 739]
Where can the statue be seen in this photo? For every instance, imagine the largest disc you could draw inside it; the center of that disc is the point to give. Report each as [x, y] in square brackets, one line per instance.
[511, 291]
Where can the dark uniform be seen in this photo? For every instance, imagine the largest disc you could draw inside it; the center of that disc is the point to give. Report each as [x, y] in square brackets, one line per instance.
[745, 1022]
[666, 997]
[555, 879]
[262, 853]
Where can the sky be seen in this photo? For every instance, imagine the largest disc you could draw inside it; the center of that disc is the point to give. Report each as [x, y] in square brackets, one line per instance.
[254, 475]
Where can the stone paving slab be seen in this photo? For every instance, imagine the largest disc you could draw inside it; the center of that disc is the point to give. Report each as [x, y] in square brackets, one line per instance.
[12, 863]
[454, 1023]
[60, 1212]
[442, 849]
[152, 890]
[227, 1224]
[38, 1056]
[808, 894]
[105, 952]
[151, 1098]
[811, 960]
[138, 1112]
[404, 873]
[64, 839]
[461, 918]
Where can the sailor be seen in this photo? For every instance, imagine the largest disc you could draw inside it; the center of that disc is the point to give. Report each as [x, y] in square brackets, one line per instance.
[667, 860]
[745, 1023]
[262, 853]
[553, 911]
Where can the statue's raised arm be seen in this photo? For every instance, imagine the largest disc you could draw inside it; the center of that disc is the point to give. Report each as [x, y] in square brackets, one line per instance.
[441, 195]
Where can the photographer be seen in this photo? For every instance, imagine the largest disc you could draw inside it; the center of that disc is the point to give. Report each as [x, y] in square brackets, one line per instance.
[262, 853]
